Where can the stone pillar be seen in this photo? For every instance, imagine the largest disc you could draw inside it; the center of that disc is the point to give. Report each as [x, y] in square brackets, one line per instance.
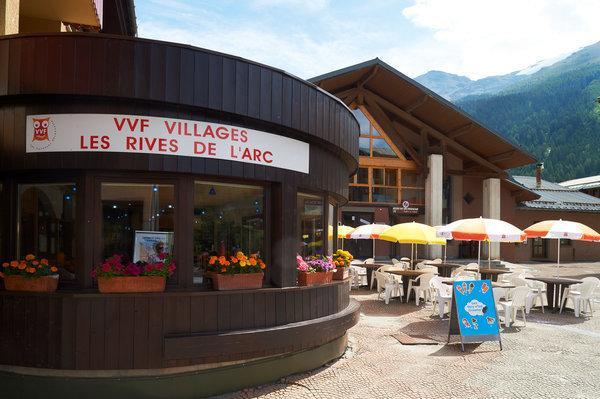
[9, 17]
[434, 197]
[491, 207]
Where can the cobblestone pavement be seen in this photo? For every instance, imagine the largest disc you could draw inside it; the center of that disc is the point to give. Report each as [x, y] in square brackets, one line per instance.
[554, 356]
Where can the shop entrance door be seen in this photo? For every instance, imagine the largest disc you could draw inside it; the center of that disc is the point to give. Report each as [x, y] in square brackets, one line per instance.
[360, 249]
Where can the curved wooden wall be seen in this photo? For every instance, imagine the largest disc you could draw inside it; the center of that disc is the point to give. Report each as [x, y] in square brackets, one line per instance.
[87, 331]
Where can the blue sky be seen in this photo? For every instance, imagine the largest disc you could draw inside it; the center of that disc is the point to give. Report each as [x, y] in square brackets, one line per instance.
[476, 38]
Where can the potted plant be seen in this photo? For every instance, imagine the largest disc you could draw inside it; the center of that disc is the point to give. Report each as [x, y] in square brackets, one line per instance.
[30, 275]
[341, 261]
[115, 276]
[236, 272]
[315, 270]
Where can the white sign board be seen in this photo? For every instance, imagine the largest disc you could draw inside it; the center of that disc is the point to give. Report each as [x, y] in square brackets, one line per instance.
[135, 134]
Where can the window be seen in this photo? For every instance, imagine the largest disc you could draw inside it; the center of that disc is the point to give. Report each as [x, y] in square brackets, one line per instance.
[227, 218]
[138, 220]
[46, 224]
[382, 185]
[373, 143]
[310, 224]
[331, 217]
[565, 242]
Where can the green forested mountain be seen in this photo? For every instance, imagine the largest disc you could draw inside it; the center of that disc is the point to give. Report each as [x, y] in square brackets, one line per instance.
[552, 113]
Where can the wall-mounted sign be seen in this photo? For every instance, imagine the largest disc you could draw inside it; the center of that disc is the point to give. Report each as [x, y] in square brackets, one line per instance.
[473, 313]
[165, 136]
[407, 208]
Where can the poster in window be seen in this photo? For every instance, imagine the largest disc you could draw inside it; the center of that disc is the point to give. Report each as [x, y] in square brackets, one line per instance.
[150, 244]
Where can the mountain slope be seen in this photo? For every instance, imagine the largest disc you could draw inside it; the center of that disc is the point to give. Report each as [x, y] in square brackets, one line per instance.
[552, 113]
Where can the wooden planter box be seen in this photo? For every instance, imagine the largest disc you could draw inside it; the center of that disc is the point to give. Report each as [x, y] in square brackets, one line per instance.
[319, 278]
[341, 273]
[245, 281]
[31, 284]
[113, 285]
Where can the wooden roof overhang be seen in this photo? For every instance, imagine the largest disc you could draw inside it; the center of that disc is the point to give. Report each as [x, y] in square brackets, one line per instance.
[424, 122]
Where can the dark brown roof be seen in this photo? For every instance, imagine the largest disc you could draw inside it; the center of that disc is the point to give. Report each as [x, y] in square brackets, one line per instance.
[414, 106]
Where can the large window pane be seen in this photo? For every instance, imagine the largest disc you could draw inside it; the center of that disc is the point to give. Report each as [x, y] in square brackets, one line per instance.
[363, 122]
[227, 218]
[378, 177]
[411, 179]
[359, 194]
[388, 195]
[413, 196]
[391, 177]
[46, 224]
[362, 176]
[364, 146]
[382, 149]
[138, 220]
[310, 224]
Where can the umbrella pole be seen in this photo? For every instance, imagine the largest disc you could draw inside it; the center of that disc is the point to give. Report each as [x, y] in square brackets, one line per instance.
[412, 257]
[558, 259]
[373, 250]
[445, 251]
[478, 253]
[342, 244]
[489, 254]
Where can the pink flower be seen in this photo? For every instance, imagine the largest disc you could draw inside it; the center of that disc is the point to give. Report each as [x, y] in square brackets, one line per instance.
[301, 265]
[106, 267]
[93, 273]
[162, 255]
[158, 266]
[148, 268]
[133, 270]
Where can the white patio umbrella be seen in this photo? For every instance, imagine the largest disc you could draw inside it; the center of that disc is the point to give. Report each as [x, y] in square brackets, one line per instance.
[482, 229]
[560, 229]
[368, 232]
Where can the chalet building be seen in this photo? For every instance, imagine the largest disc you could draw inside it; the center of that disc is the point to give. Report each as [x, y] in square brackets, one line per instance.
[424, 159]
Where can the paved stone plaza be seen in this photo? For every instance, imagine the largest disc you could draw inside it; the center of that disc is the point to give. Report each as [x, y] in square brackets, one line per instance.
[554, 356]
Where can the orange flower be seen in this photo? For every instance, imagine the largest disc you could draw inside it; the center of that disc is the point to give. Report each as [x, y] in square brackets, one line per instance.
[53, 269]
[223, 270]
[22, 265]
[44, 261]
[35, 263]
[30, 270]
[233, 259]
[14, 263]
[212, 260]
[29, 257]
[252, 261]
[262, 266]
[5, 264]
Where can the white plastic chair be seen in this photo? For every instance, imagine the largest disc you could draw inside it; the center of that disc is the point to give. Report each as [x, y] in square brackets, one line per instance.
[472, 266]
[517, 300]
[583, 296]
[420, 285]
[536, 291]
[369, 261]
[429, 269]
[442, 295]
[436, 260]
[388, 284]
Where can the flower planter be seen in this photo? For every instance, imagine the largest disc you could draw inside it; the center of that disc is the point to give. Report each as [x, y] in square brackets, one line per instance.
[318, 278]
[341, 273]
[31, 284]
[111, 285]
[242, 281]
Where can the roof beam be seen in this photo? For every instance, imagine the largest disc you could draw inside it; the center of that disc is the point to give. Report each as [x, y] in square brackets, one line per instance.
[459, 131]
[434, 132]
[412, 107]
[484, 175]
[494, 158]
[367, 76]
[388, 126]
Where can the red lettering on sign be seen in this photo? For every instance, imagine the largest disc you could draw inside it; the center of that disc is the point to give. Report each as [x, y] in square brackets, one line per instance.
[94, 142]
[222, 132]
[144, 123]
[173, 145]
[130, 143]
[244, 135]
[170, 127]
[268, 156]
[209, 132]
[201, 148]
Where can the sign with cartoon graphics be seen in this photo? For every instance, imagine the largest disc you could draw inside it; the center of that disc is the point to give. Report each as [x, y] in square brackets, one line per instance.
[135, 134]
[474, 311]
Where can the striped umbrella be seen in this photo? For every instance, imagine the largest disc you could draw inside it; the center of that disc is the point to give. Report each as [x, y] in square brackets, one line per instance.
[368, 232]
[482, 229]
[343, 231]
[561, 229]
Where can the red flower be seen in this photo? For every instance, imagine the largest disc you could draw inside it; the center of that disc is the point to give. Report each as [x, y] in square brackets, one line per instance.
[148, 268]
[106, 267]
[162, 255]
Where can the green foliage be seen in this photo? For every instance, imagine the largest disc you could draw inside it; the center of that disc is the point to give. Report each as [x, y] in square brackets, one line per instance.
[554, 115]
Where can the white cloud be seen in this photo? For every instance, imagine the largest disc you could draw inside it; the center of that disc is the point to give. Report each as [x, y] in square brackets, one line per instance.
[476, 38]
[480, 38]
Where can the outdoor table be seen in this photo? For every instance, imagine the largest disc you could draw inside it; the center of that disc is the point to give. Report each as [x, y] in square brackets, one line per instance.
[555, 288]
[406, 276]
[371, 267]
[491, 274]
[444, 269]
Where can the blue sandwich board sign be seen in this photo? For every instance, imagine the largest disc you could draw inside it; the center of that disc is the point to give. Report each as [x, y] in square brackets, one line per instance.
[473, 313]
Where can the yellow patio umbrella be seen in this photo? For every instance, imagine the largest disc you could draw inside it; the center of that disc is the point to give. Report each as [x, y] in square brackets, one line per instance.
[341, 232]
[412, 233]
